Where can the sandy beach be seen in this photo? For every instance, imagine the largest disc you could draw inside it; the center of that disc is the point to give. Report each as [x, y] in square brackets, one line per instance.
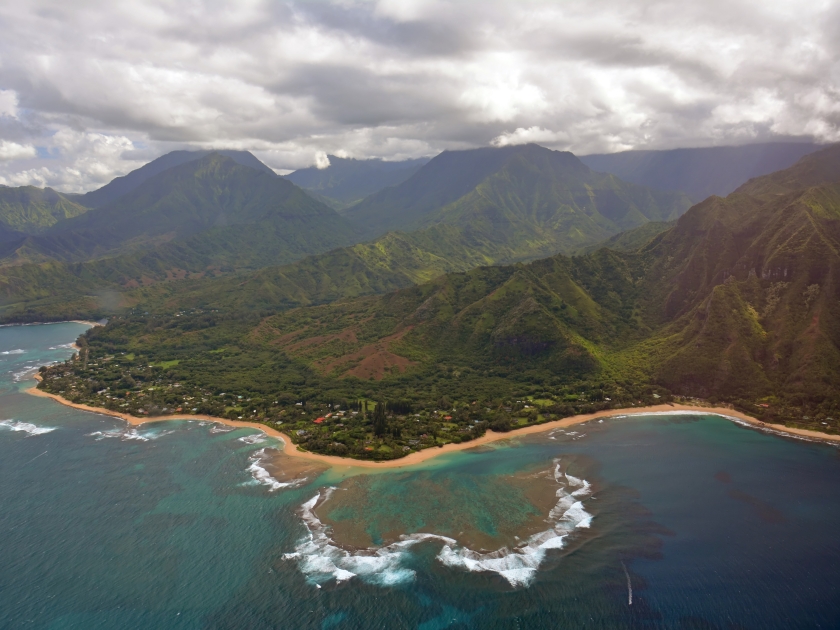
[291, 450]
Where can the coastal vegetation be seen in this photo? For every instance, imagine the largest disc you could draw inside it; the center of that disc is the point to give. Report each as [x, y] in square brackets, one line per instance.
[381, 349]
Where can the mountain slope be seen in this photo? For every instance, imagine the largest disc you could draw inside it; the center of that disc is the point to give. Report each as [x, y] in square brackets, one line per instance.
[31, 210]
[552, 200]
[738, 302]
[700, 172]
[201, 195]
[348, 181]
[123, 185]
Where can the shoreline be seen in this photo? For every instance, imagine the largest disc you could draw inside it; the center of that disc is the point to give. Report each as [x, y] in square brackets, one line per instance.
[63, 321]
[290, 449]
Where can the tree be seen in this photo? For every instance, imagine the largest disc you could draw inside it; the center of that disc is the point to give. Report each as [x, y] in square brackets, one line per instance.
[379, 421]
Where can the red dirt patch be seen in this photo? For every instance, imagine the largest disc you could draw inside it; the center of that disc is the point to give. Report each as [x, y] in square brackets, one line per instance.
[372, 361]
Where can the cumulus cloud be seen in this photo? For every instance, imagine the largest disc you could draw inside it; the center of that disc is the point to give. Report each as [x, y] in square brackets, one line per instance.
[89, 90]
[15, 151]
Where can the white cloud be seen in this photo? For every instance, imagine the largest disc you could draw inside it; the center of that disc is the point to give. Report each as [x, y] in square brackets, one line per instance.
[322, 161]
[8, 103]
[15, 151]
[101, 86]
[537, 135]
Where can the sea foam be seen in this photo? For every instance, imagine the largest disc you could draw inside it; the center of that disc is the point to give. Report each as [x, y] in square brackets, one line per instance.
[322, 560]
[18, 351]
[254, 438]
[26, 427]
[262, 477]
[130, 433]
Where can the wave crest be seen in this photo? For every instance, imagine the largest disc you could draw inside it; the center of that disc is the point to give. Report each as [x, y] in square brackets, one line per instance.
[26, 427]
[263, 477]
[321, 559]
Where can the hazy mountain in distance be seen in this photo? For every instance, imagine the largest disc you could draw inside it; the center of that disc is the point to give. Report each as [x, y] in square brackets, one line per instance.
[523, 193]
[125, 184]
[30, 210]
[346, 181]
[700, 172]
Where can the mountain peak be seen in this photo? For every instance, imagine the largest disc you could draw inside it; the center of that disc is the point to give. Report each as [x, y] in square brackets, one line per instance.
[123, 185]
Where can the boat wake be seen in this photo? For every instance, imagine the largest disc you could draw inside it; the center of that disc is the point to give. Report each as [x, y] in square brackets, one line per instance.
[26, 427]
[321, 559]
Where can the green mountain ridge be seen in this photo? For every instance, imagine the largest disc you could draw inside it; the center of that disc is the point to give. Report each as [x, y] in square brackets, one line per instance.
[201, 195]
[27, 210]
[121, 186]
[561, 201]
[535, 203]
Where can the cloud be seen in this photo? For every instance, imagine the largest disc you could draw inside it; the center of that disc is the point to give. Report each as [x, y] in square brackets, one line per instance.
[15, 151]
[95, 88]
[322, 161]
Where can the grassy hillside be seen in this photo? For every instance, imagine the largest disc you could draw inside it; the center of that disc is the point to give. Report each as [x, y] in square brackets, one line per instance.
[30, 210]
[630, 240]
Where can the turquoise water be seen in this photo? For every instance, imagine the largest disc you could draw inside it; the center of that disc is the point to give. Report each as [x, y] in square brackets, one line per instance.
[177, 525]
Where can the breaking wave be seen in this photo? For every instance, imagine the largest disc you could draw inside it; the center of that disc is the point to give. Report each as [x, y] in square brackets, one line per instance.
[18, 351]
[254, 438]
[63, 346]
[129, 433]
[321, 560]
[263, 477]
[25, 372]
[26, 427]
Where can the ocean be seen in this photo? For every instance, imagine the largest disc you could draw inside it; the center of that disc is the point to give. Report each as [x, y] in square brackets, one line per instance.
[664, 521]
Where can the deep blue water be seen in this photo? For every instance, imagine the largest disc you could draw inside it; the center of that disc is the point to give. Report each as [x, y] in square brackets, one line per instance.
[713, 525]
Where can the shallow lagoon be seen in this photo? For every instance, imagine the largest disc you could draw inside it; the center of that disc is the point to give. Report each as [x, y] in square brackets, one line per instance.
[180, 525]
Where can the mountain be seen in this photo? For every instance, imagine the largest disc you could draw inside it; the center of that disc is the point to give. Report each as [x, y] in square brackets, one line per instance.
[749, 290]
[31, 210]
[630, 240]
[700, 172]
[213, 194]
[521, 195]
[347, 181]
[525, 210]
[737, 302]
[124, 185]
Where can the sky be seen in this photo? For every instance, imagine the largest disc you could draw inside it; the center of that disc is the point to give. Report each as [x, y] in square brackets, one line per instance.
[90, 90]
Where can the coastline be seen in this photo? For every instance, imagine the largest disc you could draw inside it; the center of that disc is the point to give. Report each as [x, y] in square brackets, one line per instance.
[63, 321]
[290, 449]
